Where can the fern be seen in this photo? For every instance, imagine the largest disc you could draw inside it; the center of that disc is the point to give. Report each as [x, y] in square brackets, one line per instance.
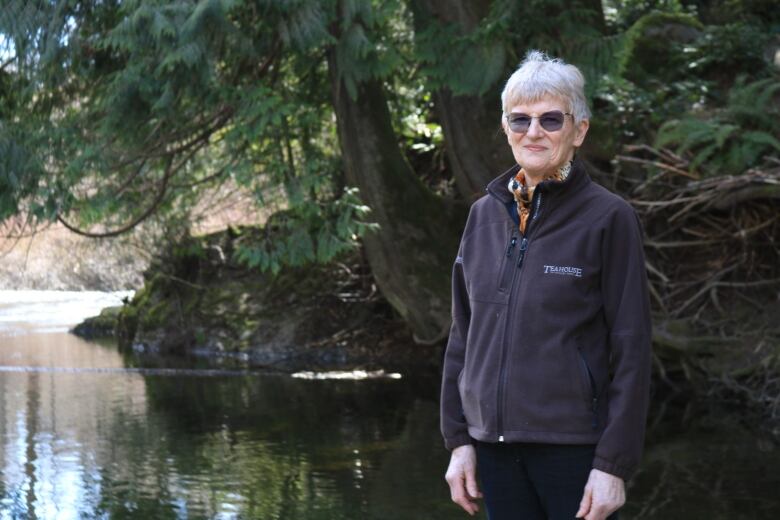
[734, 138]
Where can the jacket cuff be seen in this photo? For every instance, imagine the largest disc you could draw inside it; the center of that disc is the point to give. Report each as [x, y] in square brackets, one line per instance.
[617, 470]
[458, 440]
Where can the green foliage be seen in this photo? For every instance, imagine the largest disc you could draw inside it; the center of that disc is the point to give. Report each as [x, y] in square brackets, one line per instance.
[475, 61]
[420, 134]
[725, 51]
[622, 14]
[366, 47]
[466, 64]
[162, 100]
[308, 233]
[623, 113]
[19, 170]
[736, 137]
[653, 47]
[113, 110]
[762, 13]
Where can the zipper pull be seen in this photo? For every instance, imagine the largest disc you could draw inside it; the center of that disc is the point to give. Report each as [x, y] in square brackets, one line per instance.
[511, 246]
[523, 249]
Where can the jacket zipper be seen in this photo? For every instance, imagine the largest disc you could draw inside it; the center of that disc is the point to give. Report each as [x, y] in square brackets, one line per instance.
[502, 362]
[506, 269]
[594, 400]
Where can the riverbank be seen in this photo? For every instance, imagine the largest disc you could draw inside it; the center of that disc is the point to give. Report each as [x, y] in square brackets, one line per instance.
[197, 300]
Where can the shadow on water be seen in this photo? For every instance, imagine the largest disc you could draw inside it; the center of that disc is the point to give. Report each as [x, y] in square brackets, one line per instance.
[117, 443]
[702, 460]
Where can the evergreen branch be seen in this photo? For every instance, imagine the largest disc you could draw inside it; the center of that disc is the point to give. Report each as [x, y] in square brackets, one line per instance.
[207, 178]
[7, 62]
[161, 148]
[275, 48]
[130, 179]
[162, 191]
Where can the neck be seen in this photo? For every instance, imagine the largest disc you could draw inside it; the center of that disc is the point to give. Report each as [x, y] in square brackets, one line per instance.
[532, 179]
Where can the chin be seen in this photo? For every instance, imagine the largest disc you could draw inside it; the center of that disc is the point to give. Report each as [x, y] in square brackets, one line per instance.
[534, 164]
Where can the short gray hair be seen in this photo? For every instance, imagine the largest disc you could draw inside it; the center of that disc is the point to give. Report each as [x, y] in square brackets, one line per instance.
[539, 76]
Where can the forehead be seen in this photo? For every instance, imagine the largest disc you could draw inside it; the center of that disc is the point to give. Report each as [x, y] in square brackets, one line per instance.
[534, 107]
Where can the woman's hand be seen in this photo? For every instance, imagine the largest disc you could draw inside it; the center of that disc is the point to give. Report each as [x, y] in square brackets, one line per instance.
[604, 494]
[462, 478]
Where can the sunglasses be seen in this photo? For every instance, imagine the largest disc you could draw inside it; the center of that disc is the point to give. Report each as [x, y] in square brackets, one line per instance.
[550, 121]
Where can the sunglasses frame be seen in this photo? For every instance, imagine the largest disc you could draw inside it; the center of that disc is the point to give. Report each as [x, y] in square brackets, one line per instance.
[539, 117]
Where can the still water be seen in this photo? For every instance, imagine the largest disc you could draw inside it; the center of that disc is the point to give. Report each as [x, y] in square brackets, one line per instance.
[86, 432]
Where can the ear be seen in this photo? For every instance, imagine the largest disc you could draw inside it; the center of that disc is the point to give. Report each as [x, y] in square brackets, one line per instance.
[582, 130]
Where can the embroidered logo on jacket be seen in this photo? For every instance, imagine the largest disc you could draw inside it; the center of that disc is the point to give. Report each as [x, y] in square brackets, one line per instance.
[563, 269]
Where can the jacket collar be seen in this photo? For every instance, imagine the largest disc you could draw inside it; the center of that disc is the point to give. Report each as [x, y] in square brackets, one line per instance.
[575, 181]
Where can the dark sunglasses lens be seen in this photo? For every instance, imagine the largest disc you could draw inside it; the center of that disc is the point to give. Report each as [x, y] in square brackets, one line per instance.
[551, 121]
[519, 122]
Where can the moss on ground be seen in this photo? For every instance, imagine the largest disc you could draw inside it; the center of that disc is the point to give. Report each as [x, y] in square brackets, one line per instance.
[100, 326]
[197, 298]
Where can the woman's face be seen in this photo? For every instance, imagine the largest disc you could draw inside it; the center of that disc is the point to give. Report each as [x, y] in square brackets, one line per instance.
[541, 151]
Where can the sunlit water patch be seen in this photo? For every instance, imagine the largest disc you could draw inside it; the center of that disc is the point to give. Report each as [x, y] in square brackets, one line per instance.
[347, 375]
[23, 312]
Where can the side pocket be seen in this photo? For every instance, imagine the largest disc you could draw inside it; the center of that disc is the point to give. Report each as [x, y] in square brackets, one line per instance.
[593, 396]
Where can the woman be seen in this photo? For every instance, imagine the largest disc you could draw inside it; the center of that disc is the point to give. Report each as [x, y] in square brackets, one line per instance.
[547, 368]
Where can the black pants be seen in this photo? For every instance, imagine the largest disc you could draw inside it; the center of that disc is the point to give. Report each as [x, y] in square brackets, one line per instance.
[531, 481]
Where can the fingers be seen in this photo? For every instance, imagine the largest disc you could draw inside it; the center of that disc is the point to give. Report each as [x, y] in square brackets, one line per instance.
[587, 497]
[461, 477]
[471, 484]
[601, 510]
[607, 495]
[596, 513]
[459, 494]
[601, 507]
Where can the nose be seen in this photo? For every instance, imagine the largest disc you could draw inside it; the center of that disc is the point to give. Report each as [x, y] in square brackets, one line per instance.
[534, 130]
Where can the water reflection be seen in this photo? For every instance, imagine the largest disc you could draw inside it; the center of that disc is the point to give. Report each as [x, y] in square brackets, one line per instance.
[86, 432]
[110, 442]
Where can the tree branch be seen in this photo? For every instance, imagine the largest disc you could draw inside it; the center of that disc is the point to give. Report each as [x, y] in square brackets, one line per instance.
[130, 225]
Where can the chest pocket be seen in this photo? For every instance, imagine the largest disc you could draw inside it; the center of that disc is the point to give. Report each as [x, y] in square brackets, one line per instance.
[487, 266]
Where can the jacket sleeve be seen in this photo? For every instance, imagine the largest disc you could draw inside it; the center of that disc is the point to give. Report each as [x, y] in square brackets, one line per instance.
[453, 423]
[627, 312]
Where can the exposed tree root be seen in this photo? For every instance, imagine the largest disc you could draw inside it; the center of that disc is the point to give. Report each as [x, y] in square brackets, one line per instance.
[713, 261]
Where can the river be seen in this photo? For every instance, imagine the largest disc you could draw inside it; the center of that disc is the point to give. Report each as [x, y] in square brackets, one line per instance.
[88, 432]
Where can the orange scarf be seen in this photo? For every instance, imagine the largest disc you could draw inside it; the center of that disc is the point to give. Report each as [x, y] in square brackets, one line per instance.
[524, 194]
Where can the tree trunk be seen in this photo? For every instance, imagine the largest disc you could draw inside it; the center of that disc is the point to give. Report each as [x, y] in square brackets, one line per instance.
[476, 147]
[417, 241]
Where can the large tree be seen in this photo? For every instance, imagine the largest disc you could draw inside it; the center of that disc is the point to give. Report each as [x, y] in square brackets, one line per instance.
[417, 235]
[116, 112]
[136, 106]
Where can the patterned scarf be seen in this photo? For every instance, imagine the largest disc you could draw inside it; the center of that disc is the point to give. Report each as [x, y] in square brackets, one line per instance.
[524, 194]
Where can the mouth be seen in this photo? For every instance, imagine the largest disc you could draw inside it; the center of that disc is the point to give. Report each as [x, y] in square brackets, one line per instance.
[534, 148]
